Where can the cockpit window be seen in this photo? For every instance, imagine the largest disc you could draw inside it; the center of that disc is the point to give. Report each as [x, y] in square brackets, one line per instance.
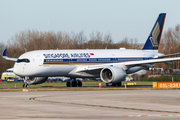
[9, 71]
[23, 60]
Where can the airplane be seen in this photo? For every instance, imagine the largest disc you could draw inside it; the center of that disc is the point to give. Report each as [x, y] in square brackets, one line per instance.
[111, 65]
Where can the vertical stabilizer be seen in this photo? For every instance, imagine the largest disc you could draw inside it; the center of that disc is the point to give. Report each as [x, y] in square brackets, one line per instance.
[154, 38]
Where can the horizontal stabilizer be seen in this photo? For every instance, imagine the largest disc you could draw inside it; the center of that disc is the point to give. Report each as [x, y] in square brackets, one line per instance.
[168, 55]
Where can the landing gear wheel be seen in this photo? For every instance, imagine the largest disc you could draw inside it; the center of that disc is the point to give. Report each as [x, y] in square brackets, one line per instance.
[68, 84]
[25, 85]
[74, 84]
[79, 84]
[118, 84]
[113, 84]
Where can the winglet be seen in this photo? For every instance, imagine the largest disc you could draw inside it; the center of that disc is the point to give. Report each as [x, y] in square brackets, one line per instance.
[154, 39]
[7, 58]
[4, 53]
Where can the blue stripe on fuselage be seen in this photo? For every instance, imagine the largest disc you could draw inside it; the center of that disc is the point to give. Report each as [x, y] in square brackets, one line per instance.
[91, 60]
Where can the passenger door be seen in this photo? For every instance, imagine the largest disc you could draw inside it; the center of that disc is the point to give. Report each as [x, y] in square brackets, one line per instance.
[40, 60]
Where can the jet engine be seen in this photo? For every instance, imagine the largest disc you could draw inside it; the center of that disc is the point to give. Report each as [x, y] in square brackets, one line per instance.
[36, 80]
[112, 75]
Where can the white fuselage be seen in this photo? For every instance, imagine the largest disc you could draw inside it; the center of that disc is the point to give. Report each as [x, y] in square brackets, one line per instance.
[62, 62]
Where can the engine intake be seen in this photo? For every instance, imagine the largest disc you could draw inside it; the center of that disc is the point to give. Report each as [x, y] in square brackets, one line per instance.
[112, 75]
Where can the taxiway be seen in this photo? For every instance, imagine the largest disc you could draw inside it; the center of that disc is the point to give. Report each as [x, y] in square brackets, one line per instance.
[121, 104]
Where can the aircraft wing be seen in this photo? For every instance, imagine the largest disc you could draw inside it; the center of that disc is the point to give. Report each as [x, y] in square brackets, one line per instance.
[98, 68]
[142, 62]
[85, 68]
[7, 58]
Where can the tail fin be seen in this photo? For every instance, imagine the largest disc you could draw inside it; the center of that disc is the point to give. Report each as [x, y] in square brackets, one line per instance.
[154, 38]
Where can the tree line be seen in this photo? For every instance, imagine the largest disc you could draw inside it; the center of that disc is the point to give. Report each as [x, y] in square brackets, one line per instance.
[170, 43]
[29, 40]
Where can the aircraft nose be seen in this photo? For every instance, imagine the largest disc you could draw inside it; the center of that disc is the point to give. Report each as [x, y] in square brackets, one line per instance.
[16, 69]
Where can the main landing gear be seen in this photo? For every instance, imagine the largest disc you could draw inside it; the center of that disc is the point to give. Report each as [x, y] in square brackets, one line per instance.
[113, 84]
[74, 83]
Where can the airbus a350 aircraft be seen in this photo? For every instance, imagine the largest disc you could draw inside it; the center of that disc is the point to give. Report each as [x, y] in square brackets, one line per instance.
[111, 65]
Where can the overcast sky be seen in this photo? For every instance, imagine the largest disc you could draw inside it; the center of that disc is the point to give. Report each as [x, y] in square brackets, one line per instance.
[120, 18]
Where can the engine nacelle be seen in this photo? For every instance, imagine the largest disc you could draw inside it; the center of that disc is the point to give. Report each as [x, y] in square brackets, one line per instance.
[134, 69]
[36, 80]
[112, 75]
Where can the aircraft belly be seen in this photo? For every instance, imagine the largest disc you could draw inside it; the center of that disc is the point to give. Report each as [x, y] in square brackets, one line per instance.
[48, 71]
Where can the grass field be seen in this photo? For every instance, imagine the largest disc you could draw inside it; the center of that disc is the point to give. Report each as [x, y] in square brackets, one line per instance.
[56, 84]
[10, 87]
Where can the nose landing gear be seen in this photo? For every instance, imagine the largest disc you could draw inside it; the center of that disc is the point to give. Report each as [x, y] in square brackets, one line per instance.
[25, 81]
[25, 85]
